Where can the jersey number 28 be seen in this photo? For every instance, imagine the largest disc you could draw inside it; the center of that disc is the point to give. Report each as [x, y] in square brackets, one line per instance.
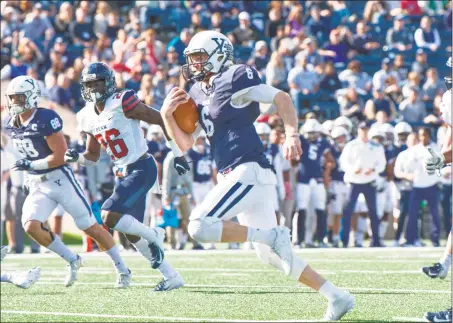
[110, 140]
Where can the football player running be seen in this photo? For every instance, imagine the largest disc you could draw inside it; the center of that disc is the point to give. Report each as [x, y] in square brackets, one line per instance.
[22, 280]
[36, 134]
[228, 97]
[112, 119]
[433, 165]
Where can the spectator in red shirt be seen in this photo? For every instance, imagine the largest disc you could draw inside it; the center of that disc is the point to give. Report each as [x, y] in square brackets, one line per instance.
[411, 7]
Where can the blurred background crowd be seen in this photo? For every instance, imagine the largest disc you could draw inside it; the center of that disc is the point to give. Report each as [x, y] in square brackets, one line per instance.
[375, 61]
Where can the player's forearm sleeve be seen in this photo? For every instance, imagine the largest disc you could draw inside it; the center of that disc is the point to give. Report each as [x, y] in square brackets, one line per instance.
[262, 93]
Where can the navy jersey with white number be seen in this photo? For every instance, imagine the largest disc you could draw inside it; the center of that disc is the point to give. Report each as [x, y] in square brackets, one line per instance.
[310, 165]
[391, 152]
[201, 165]
[30, 139]
[231, 133]
[337, 172]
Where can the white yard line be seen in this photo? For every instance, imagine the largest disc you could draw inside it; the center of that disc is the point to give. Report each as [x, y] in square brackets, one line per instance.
[396, 290]
[162, 318]
[408, 319]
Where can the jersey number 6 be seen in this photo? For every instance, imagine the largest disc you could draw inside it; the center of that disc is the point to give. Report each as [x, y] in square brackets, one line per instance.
[116, 146]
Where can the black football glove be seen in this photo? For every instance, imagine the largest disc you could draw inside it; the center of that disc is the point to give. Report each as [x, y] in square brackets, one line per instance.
[181, 165]
[71, 156]
[22, 164]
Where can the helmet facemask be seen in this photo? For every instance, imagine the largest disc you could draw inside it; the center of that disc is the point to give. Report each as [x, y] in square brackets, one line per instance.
[97, 95]
[340, 141]
[22, 101]
[311, 136]
[199, 64]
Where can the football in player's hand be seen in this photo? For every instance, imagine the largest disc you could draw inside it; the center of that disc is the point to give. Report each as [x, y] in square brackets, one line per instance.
[186, 116]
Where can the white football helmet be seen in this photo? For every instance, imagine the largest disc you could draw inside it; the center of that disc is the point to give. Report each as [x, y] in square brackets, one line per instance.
[27, 87]
[327, 127]
[445, 107]
[263, 128]
[311, 130]
[337, 133]
[388, 130]
[216, 46]
[401, 131]
[343, 122]
[376, 134]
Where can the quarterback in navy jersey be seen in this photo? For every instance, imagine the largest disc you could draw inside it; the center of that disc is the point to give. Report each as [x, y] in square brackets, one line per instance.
[312, 180]
[37, 135]
[228, 97]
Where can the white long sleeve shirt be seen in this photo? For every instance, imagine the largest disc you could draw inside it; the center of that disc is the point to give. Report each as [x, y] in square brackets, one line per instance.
[362, 155]
[415, 165]
[400, 169]
[420, 40]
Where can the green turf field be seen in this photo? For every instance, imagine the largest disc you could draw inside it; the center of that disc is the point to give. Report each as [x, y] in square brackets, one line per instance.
[229, 286]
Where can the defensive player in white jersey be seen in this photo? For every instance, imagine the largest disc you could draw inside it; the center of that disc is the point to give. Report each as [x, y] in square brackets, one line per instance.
[37, 135]
[227, 97]
[432, 165]
[112, 119]
[22, 280]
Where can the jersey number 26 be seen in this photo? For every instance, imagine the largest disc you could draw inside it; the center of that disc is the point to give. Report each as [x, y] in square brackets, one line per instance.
[111, 141]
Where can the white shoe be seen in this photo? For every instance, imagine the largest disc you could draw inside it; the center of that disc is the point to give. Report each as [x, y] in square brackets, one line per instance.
[123, 280]
[157, 248]
[395, 243]
[73, 268]
[248, 246]
[282, 247]
[169, 284]
[233, 246]
[339, 307]
[27, 279]
[212, 246]
[3, 252]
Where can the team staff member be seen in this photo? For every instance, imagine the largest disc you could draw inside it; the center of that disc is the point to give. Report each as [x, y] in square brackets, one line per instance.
[362, 160]
[424, 188]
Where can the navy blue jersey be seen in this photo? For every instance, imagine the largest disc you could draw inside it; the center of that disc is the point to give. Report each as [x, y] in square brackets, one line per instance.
[30, 139]
[391, 152]
[271, 151]
[337, 173]
[230, 130]
[310, 165]
[201, 165]
[153, 148]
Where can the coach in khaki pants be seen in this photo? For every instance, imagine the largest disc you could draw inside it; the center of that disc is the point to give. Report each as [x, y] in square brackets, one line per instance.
[176, 189]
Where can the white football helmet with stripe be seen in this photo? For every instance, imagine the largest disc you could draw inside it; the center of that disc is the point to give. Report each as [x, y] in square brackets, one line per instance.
[29, 94]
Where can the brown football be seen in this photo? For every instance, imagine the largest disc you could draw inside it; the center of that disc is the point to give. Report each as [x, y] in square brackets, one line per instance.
[186, 116]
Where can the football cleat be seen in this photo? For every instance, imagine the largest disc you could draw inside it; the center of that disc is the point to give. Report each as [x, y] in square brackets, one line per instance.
[157, 248]
[3, 252]
[439, 317]
[339, 307]
[123, 280]
[435, 271]
[27, 279]
[166, 285]
[282, 247]
[73, 268]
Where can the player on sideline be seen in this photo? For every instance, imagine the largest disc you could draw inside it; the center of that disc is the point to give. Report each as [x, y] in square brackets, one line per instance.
[433, 164]
[228, 97]
[36, 134]
[112, 119]
[22, 280]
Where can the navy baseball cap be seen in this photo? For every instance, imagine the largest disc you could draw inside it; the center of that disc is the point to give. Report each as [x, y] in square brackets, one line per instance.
[363, 125]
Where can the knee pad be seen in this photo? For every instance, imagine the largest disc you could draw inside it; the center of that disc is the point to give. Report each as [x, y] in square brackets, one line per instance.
[268, 257]
[203, 230]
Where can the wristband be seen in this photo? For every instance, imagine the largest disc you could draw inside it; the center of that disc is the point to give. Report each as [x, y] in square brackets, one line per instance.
[175, 149]
[292, 135]
[39, 164]
[86, 162]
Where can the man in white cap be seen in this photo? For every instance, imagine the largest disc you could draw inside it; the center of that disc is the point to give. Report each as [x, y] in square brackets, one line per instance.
[245, 34]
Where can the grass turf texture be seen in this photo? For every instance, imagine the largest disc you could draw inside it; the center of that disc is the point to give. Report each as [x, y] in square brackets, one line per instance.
[228, 285]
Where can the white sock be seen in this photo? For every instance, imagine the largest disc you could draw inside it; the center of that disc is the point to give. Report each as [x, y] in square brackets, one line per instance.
[58, 247]
[383, 229]
[118, 262]
[330, 291]
[6, 278]
[128, 224]
[446, 261]
[165, 269]
[142, 247]
[359, 236]
[262, 236]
